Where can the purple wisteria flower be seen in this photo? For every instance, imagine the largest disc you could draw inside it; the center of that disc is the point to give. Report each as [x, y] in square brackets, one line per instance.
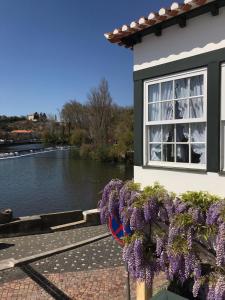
[151, 209]
[147, 252]
[137, 219]
[220, 245]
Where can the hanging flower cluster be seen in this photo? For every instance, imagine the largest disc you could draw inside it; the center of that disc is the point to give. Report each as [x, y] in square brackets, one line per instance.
[168, 234]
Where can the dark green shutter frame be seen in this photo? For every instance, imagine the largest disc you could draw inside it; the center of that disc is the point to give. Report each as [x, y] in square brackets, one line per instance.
[213, 117]
[138, 123]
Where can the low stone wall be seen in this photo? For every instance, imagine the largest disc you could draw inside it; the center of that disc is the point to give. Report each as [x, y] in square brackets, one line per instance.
[55, 219]
[92, 217]
[39, 223]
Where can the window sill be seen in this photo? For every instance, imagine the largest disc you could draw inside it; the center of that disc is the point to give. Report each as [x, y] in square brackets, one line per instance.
[177, 168]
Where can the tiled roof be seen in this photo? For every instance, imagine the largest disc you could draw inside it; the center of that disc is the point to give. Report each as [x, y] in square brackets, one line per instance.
[121, 35]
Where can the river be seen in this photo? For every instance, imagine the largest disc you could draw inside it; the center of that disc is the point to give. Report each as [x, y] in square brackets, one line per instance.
[54, 181]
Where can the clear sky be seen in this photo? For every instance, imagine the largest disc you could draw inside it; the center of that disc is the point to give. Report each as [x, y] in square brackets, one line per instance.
[52, 51]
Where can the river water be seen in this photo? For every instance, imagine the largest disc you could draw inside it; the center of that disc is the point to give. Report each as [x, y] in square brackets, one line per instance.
[54, 181]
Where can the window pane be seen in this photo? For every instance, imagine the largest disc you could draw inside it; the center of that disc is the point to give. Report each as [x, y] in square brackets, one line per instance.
[181, 88]
[155, 152]
[198, 132]
[167, 110]
[168, 152]
[182, 131]
[154, 112]
[198, 153]
[181, 109]
[167, 90]
[153, 93]
[196, 85]
[183, 153]
[168, 133]
[196, 108]
[155, 134]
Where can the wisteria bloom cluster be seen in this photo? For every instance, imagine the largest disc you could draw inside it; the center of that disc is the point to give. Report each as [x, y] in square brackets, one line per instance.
[168, 234]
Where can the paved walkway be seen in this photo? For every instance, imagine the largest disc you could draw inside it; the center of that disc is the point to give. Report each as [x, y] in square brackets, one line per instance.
[94, 271]
[19, 247]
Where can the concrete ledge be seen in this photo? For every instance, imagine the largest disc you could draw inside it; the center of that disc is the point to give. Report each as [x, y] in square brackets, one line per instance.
[39, 223]
[92, 217]
[55, 219]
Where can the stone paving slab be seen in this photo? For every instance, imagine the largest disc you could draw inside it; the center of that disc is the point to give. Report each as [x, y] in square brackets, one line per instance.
[101, 284]
[20, 247]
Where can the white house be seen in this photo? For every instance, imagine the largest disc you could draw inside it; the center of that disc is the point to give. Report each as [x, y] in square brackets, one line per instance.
[31, 117]
[179, 95]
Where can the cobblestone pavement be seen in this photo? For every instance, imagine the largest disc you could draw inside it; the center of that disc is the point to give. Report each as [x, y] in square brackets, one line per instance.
[101, 284]
[19, 247]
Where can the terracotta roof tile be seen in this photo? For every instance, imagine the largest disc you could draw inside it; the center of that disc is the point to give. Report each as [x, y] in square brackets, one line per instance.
[117, 35]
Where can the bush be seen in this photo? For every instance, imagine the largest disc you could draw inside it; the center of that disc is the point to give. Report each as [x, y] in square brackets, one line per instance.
[101, 153]
[79, 137]
[85, 151]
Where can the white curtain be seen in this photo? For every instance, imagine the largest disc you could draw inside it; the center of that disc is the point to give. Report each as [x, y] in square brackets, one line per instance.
[181, 88]
[196, 85]
[167, 90]
[154, 112]
[153, 93]
[167, 110]
[198, 132]
[155, 134]
[196, 108]
[155, 152]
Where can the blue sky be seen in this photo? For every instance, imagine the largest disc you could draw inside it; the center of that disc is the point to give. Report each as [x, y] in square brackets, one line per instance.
[53, 51]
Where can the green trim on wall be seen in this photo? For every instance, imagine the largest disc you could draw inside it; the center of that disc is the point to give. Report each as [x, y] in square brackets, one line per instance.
[212, 61]
[213, 117]
[138, 123]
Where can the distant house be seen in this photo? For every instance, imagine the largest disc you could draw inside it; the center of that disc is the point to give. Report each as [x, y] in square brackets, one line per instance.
[31, 117]
[179, 95]
[22, 131]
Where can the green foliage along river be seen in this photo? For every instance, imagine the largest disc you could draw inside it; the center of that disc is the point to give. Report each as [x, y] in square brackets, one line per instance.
[54, 181]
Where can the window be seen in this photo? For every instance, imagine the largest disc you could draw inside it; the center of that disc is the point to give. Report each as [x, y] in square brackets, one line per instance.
[175, 120]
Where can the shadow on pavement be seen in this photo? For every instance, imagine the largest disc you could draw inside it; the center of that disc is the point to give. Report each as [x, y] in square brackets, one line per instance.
[44, 283]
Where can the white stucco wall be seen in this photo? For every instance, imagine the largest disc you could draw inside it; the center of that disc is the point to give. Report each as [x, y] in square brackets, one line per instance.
[202, 34]
[180, 182]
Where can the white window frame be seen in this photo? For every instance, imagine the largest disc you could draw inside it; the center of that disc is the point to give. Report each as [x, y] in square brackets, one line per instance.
[222, 130]
[147, 124]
